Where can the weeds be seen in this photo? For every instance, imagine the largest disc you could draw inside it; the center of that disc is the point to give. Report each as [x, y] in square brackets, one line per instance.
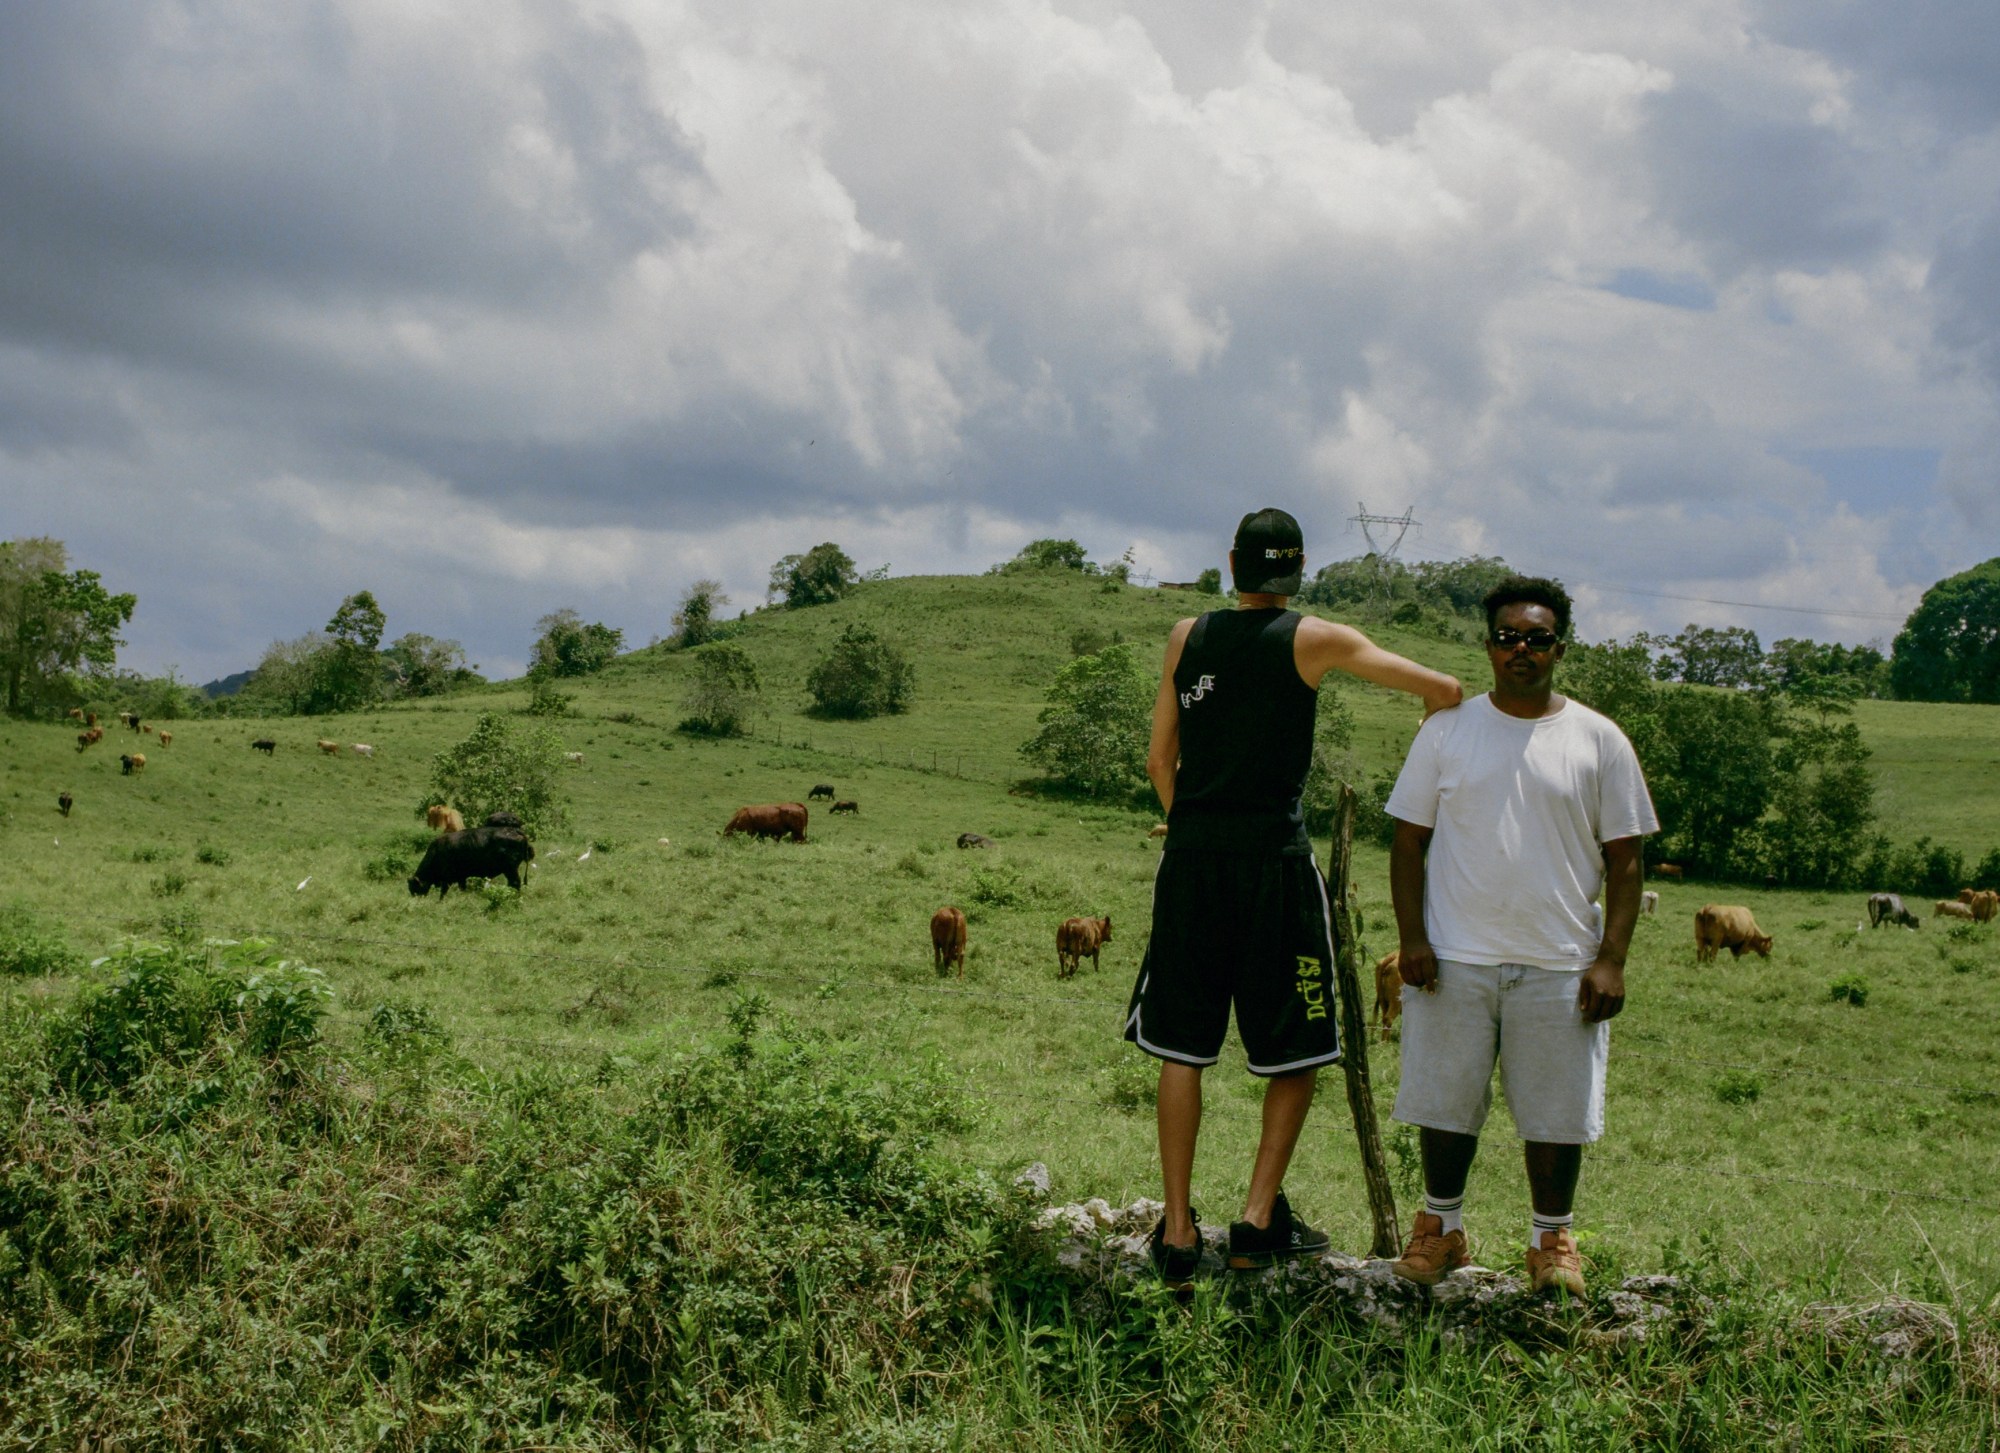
[1849, 988]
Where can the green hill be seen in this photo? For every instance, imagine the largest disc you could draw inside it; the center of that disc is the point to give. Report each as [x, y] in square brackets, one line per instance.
[625, 945]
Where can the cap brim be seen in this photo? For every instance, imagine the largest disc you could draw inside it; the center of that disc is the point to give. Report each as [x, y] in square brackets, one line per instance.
[1276, 585]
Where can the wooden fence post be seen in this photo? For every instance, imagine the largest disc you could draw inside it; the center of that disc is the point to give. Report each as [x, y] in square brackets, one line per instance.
[1354, 1031]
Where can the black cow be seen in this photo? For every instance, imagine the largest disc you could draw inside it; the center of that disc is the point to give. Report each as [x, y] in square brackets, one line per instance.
[65, 802]
[974, 840]
[264, 745]
[478, 852]
[824, 789]
[1888, 908]
[849, 807]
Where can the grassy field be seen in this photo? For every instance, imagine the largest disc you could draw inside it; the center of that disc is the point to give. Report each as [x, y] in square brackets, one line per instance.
[1937, 771]
[1818, 1142]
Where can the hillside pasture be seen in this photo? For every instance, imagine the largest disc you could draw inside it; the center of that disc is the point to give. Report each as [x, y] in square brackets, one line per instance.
[1825, 1142]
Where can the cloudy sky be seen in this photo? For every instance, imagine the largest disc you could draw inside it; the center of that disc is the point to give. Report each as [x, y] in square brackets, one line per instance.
[503, 306]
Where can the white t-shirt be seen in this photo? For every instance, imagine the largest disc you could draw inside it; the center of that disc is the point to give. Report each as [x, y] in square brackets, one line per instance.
[1519, 809]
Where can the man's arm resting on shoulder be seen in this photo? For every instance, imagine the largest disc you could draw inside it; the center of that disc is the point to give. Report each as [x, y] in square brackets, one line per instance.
[1163, 751]
[1324, 646]
[1417, 964]
[1602, 993]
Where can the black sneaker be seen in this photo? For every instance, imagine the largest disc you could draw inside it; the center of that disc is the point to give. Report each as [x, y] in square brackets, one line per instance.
[1287, 1236]
[1176, 1264]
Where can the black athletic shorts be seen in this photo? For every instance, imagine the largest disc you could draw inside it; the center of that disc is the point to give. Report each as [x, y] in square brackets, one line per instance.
[1253, 930]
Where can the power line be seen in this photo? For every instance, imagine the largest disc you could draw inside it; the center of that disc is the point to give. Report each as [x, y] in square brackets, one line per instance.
[1807, 610]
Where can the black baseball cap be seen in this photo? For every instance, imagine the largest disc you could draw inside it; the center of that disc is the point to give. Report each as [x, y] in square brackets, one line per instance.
[1270, 553]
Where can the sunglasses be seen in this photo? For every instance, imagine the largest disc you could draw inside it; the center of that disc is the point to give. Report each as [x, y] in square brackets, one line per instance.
[1538, 640]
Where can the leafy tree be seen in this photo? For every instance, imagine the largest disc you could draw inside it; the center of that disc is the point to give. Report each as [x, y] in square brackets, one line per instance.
[1459, 585]
[566, 646]
[503, 768]
[862, 676]
[53, 623]
[1047, 555]
[1949, 649]
[1706, 656]
[1801, 665]
[1209, 582]
[349, 670]
[286, 681]
[1709, 766]
[694, 622]
[1364, 580]
[723, 693]
[1095, 725]
[822, 575]
[420, 665]
[1823, 801]
[1332, 758]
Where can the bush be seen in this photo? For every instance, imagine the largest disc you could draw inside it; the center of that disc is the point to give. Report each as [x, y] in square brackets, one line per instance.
[502, 768]
[862, 676]
[545, 698]
[1848, 988]
[27, 949]
[1738, 1087]
[1047, 555]
[820, 576]
[213, 856]
[1095, 725]
[723, 693]
[566, 646]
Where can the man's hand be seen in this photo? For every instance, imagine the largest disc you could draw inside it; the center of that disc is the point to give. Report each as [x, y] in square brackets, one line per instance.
[1418, 965]
[1602, 993]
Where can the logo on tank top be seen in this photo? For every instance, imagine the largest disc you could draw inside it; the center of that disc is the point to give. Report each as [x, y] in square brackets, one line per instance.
[1201, 689]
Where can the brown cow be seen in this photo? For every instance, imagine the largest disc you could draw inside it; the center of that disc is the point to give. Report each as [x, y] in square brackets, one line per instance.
[1668, 870]
[76, 714]
[134, 763]
[166, 739]
[1078, 939]
[772, 819]
[850, 807]
[1388, 990]
[1719, 926]
[443, 819]
[1985, 906]
[1966, 895]
[948, 940]
[1947, 908]
[332, 749]
[1159, 830]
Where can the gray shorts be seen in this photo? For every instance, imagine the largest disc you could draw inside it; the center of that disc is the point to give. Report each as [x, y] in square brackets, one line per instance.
[1551, 1062]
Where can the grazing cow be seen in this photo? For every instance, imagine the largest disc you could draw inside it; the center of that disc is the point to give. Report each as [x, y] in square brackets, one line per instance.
[1888, 908]
[1649, 902]
[1159, 830]
[1966, 895]
[90, 718]
[1949, 908]
[64, 801]
[483, 852]
[501, 817]
[1985, 906]
[125, 718]
[1719, 926]
[443, 819]
[974, 840]
[147, 729]
[850, 807]
[1668, 870]
[1388, 990]
[86, 740]
[575, 759]
[136, 762]
[264, 745]
[76, 713]
[823, 789]
[166, 739]
[1078, 939]
[363, 749]
[332, 749]
[948, 940]
[772, 819]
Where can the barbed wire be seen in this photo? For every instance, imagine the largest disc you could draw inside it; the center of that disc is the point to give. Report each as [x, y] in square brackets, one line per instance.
[1070, 1001]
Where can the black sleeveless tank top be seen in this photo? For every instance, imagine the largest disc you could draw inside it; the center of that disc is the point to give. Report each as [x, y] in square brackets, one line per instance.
[1246, 724]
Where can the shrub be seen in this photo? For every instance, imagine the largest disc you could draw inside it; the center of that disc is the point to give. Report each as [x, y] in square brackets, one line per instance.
[694, 622]
[862, 676]
[1738, 1087]
[568, 647]
[822, 575]
[545, 699]
[213, 856]
[723, 693]
[26, 948]
[1851, 988]
[1095, 726]
[500, 767]
[170, 885]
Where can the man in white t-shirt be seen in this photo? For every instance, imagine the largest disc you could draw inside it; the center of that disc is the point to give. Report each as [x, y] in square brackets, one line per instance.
[1512, 813]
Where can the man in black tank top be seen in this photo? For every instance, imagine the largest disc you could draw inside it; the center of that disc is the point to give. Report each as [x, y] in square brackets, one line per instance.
[1239, 909]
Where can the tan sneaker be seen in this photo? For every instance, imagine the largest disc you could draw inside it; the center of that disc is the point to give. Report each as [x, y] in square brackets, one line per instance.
[1555, 1263]
[1432, 1252]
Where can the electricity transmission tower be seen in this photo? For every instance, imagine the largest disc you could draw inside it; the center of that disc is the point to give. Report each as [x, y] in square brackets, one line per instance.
[1384, 549]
